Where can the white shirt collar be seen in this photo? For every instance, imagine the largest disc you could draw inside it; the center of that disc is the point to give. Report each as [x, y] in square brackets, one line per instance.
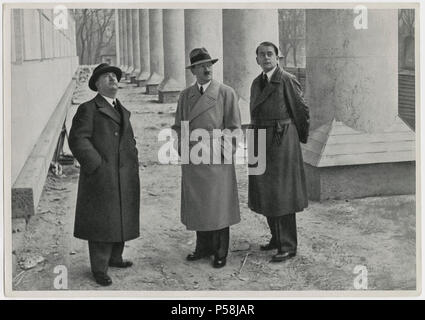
[205, 85]
[270, 73]
[110, 100]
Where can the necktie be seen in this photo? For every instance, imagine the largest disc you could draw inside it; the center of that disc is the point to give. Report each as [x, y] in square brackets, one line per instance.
[264, 82]
[114, 103]
[201, 89]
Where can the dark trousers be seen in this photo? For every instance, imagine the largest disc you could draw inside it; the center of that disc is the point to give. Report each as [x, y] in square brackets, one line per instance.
[214, 242]
[102, 253]
[284, 232]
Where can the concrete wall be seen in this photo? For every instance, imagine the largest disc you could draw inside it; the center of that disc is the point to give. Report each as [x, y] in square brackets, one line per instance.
[43, 63]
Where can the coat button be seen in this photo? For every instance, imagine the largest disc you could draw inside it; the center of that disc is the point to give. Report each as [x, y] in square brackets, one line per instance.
[115, 133]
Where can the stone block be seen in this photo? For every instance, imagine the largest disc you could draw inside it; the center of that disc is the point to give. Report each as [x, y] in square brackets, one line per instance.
[152, 89]
[168, 96]
[358, 181]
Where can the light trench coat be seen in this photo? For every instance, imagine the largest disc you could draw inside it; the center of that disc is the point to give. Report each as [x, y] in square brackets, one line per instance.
[209, 195]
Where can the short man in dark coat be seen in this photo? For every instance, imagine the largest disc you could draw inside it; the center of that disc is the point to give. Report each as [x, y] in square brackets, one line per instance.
[102, 140]
[277, 105]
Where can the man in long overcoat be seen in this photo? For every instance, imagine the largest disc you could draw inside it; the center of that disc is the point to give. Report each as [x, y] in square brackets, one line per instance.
[102, 140]
[277, 105]
[209, 195]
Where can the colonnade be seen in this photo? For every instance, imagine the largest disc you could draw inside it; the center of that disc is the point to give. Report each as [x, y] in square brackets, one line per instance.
[154, 47]
[351, 74]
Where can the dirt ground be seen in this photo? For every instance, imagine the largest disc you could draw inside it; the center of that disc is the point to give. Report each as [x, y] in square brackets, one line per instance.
[334, 236]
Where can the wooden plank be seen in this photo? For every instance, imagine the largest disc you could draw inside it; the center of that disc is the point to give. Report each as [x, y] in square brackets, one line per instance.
[370, 138]
[318, 136]
[358, 148]
[365, 158]
[314, 146]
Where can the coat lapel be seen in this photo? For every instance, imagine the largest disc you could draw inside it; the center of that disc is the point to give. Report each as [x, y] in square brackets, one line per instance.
[270, 87]
[204, 102]
[107, 109]
[125, 116]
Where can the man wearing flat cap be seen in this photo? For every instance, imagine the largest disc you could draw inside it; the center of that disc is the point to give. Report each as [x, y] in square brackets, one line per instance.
[102, 140]
[209, 195]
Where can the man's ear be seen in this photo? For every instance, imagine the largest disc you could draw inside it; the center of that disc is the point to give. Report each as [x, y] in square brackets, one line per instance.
[256, 59]
[191, 70]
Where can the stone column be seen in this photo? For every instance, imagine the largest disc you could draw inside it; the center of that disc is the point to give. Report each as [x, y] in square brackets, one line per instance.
[174, 60]
[124, 41]
[144, 47]
[203, 28]
[117, 39]
[156, 49]
[358, 145]
[129, 71]
[244, 30]
[136, 44]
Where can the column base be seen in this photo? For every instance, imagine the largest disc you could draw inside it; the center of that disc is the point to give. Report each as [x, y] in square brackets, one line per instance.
[345, 163]
[141, 83]
[152, 89]
[168, 96]
[358, 181]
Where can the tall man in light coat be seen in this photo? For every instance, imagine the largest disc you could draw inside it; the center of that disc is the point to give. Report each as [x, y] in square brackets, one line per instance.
[102, 140]
[209, 195]
[277, 105]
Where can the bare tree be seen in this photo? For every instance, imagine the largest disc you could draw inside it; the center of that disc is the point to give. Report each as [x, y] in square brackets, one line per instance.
[291, 32]
[407, 20]
[95, 31]
[406, 36]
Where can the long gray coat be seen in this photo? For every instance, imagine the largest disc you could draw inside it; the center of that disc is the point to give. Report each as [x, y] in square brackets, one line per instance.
[282, 188]
[109, 189]
[209, 195]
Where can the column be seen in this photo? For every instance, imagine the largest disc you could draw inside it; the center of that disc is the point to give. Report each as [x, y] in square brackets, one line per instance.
[358, 145]
[136, 44]
[129, 71]
[174, 60]
[117, 39]
[203, 28]
[125, 42]
[156, 49]
[144, 47]
[244, 30]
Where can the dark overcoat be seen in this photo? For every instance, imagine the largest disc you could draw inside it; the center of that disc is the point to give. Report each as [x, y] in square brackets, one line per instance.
[279, 109]
[209, 193]
[108, 200]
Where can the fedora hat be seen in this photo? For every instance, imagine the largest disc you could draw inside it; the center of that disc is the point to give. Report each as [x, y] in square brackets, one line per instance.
[198, 56]
[101, 69]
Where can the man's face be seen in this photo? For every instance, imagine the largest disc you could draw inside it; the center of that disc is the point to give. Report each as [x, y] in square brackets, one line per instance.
[203, 72]
[107, 84]
[267, 58]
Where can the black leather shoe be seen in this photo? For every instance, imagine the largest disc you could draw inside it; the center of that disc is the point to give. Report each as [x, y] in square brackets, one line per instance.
[197, 256]
[102, 279]
[122, 264]
[282, 256]
[219, 262]
[268, 247]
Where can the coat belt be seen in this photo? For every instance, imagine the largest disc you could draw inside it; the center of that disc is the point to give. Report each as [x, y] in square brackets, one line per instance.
[270, 123]
[280, 127]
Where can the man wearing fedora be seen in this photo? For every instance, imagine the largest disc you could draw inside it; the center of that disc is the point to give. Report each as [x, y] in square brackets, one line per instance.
[209, 195]
[277, 106]
[102, 140]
